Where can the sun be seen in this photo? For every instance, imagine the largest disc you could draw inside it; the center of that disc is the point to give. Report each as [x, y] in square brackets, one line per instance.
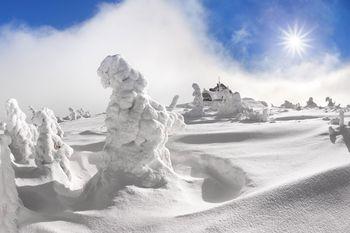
[295, 40]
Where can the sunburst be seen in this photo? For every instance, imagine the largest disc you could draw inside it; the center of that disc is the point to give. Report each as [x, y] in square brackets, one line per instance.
[295, 40]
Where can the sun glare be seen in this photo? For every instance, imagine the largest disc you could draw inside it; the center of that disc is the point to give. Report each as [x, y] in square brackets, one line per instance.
[295, 40]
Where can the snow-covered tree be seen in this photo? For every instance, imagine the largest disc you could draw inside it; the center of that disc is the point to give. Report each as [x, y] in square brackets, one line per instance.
[9, 202]
[137, 126]
[23, 135]
[73, 115]
[50, 147]
[310, 103]
[198, 105]
[231, 104]
[54, 125]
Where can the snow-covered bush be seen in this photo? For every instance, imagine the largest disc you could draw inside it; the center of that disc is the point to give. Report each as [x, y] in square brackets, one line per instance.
[9, 202]
[342, 130]
[330, 101]
[310, 103]
[137, 126]
[198, 105]
[290, 105]
[50, 148]
[23, 135]
[73, 115]
[231, 104]
[54, 124]
[251, 115]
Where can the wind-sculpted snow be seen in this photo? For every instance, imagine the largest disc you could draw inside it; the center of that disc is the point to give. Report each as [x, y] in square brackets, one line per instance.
[50, 148]
[9, 202]
[231, 104]
[198, 105]
[23, 135]
[53, 122]
[137, 126]
[342, 130]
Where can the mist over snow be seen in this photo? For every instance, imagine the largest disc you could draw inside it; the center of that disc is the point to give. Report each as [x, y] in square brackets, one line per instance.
[168, 42]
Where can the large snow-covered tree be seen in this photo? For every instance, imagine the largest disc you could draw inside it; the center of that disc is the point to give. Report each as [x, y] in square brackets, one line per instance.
[137, 126]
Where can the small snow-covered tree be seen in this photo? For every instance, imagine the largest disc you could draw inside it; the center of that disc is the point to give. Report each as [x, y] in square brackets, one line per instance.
[310, 103]
[9, 202]
[50, 147]
[231, 104]
[198, 105]
[73, 115]
[137, 126]
[23, 135]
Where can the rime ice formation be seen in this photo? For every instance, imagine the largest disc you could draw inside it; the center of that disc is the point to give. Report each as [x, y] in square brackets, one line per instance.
[290, 105]
[342, 130]
[82, 113]
[330, 102]
[231, 103]
[137, 126]
[50, 148]
[197, 109]
[173, 102]
[73, 115]
[251, 115]
[9, 202]
[53, 123]
[310, 103]
[23, 135]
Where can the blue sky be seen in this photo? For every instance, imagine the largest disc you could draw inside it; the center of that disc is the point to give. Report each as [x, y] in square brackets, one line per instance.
[44, 60]
[248, 29]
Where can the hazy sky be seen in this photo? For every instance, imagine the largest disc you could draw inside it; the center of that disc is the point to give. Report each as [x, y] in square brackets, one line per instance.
[50, 50]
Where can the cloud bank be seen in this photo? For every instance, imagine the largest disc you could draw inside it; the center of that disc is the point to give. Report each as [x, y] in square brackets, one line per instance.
[167, 41]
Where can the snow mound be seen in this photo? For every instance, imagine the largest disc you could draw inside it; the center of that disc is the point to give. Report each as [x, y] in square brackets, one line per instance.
[9, 202]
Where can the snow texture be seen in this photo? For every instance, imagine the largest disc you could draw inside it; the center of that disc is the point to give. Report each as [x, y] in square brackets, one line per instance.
[23, 135]
[137, 126]
[9, 202]
[50, 147]
[231, 104]
[198, 105]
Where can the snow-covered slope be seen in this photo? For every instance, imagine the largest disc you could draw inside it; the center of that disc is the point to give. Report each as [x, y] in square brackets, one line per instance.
[232, 177]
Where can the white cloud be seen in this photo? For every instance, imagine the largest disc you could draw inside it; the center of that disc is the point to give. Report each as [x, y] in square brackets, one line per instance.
[165, 40]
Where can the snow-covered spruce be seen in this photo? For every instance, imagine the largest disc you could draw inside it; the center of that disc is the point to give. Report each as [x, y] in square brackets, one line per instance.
[23, 135]
[49, 147]
[137, 126]
[73, 115]
[9, 202]
[310, 103]
[198, 105]
[342, 130]
[54, 124]
[231, 104]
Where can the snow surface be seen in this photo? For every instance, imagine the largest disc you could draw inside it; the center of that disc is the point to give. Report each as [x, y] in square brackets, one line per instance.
[232, 177]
